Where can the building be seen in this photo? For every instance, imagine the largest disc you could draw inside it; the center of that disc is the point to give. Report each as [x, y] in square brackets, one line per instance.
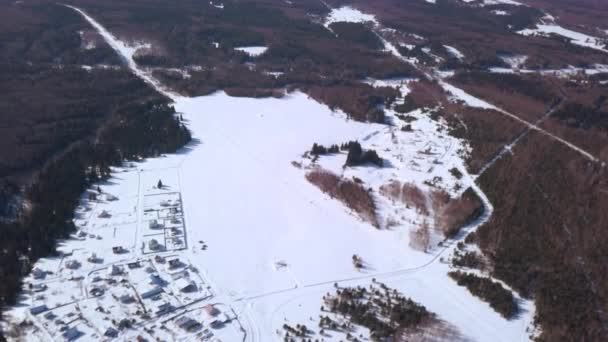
[110, 332]
[124, 324]
[175, 263]
[187, 323]
[71, 334]
[159, 259]
[211, 310]
[153, 224]
[154, 245]
[93, 258]
[156, 279]
[104, 214]
[179, 274]
[133, 265]
[163, 308]
[114, 270]
[38, 273]
[216, 324]
[96, 291]
[72, 264]
[38, 309]
[39, 287]
[49, 315]
[110, 197]
[126, 298]
[151, 293]
[185, 285]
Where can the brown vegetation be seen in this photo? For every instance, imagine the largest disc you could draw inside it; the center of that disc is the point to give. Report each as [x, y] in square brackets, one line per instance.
[349, 192]
[451, 214]
[406, 193]
[527, 96]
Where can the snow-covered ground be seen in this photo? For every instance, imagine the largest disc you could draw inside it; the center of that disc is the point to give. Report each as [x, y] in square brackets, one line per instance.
[252, 235]
[454, 52]
[563, 73]
[348, 14]
[494, 2]
[253, 51]
[548, 27]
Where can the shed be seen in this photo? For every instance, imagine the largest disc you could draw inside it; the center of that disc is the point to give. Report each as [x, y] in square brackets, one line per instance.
[126, 298]
[187, 323]
[185, 285]
[211, 310]
[110, 197]
[154, 245]
[104, 214]
[133, 265]
[72, 264]
[110, 332]
[175, 263]
[49, 315]
[71, 334]
[114, 270]
[163, 308]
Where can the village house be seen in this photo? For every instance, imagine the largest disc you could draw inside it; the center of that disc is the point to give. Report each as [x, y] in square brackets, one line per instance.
[38, 309]
[187, 323]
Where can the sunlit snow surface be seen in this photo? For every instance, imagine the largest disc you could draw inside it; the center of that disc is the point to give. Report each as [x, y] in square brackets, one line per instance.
[348, 14]
[254, 209]
[253, 51]
[578, 38]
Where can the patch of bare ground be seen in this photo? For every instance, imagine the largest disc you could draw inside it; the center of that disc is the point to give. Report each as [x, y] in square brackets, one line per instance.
[351, 193]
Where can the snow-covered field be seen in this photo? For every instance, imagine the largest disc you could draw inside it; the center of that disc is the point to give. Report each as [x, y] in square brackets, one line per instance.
[349, 14]
[548, 27]
[253, 237]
